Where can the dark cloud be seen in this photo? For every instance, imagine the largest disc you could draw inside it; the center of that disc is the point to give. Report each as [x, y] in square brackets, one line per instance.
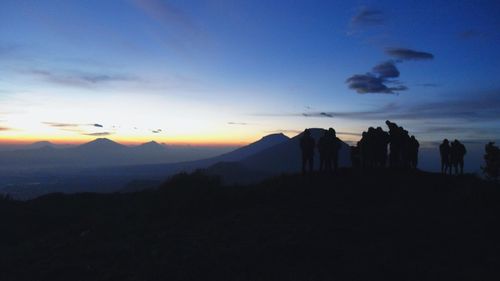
[97, 125]
[76, 79]
[98, 134]
[157, 131]
[367, 17]
[324, 114]
[371, 84]
[379, 81]
[429, 85]
[408, 54]
[61, 125]
[386, 70]
[237, 123]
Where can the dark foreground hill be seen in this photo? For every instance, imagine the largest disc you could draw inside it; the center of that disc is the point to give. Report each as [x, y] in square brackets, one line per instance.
[350, 226]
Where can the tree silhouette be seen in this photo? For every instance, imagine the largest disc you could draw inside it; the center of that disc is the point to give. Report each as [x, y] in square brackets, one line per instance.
[492, 161]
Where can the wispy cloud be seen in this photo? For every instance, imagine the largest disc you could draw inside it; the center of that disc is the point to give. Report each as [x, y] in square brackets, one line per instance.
[78, 79]
[5, 129]
[408, 54]
[61, 125]
[237, 123]
[429, 85]
[98, 134]
[157, 131]
[481, 108]
[367, 17]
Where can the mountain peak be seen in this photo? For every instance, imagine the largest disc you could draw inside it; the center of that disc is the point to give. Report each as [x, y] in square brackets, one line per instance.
[101, 143]
[150, 146]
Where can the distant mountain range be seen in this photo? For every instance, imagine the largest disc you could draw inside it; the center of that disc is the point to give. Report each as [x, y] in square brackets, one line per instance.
[100, 152]
[106, 166]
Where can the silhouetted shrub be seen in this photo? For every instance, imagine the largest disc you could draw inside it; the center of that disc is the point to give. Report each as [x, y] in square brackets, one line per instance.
[492, 161]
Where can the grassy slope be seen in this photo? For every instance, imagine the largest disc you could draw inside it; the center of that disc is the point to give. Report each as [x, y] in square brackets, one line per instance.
[352, 226]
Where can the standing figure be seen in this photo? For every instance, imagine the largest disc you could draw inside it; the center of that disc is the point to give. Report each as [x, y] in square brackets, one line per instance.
[395, 144]
[444, 151]
[307, 148]
[333, 149]
[457, 154]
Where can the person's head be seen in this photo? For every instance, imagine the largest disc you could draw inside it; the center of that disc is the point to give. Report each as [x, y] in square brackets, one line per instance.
[445, 141]
[331, 131]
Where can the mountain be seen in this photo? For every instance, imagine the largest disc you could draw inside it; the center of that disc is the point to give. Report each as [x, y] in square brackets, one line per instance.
[150, 147]
[40, 144]
[253, 148]
[100, 145]
[286, 156]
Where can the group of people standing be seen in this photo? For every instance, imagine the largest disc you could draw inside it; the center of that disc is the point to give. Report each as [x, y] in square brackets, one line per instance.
[378, 149]
[372, 150]
[328, 148]
[452, 156]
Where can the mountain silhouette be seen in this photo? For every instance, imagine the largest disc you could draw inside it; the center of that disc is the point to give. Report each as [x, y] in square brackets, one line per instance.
[286, 156]
[40, 144]
[150, 147]
[253, 148]
[100, 145]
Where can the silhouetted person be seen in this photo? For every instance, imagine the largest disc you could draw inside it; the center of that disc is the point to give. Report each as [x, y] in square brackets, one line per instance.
[323, 151]
[413, 152]
[395, 143]
[444, 151]
[457, 153]
[307, 147]
[333, 150]
[382, 140]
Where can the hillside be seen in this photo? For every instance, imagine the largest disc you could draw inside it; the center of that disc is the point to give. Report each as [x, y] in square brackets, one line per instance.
[350, 226]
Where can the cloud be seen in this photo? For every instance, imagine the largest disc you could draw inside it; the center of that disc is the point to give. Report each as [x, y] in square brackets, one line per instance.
[98, 134]
[61, 125]
[367, 17]
[370, 84]
[237, 123]
[429, 85]
[482, 108]
[157, 131]
[77, 79]
[376, 82]
[408, 54]
[97, 125]
[386, 70]
[5, 129]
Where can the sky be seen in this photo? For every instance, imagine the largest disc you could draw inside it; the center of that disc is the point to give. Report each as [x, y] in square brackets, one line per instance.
[219, 72]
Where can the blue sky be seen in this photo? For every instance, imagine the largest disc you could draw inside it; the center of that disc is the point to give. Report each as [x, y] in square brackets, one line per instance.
[232, 71]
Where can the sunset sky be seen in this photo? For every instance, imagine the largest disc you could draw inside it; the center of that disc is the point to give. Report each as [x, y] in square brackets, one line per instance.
[230, 72]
